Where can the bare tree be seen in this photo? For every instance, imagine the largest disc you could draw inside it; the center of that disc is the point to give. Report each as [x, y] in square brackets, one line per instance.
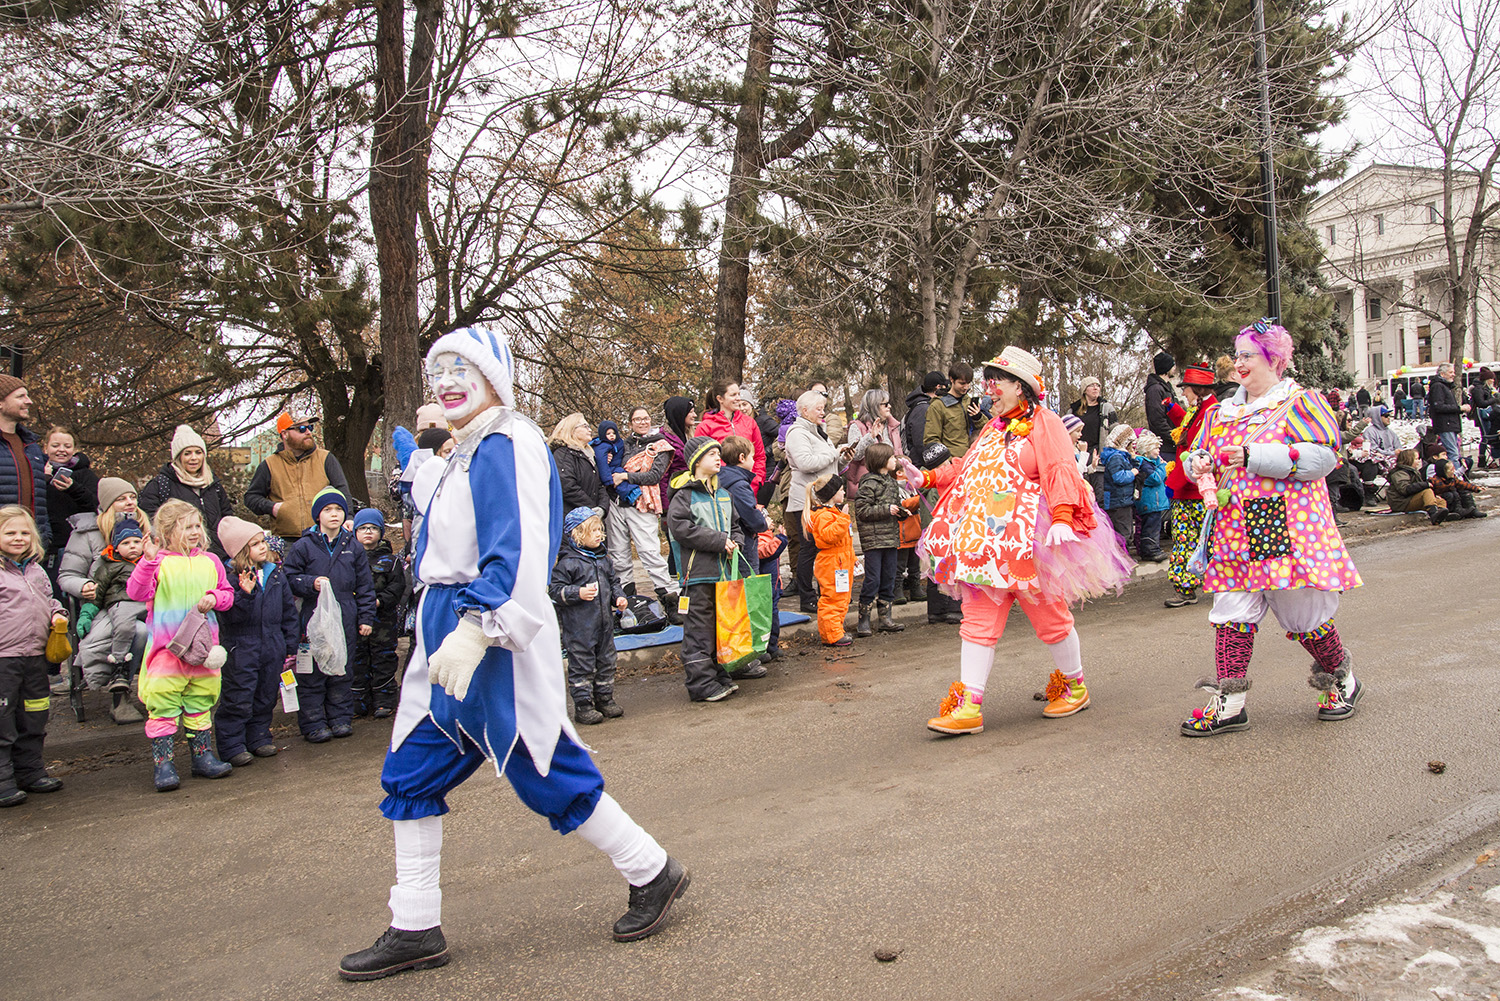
[999, 150]
[1438, 73]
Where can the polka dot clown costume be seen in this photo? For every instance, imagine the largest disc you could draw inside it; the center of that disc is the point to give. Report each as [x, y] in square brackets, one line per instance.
[484, 685]
[1017, 524]
[1274, 546]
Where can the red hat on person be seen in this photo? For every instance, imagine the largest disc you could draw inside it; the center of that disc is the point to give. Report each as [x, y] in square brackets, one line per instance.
[1198, 375]
[290, 419]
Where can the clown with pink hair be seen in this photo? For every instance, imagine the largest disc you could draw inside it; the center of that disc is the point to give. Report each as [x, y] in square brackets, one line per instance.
[1274, 547]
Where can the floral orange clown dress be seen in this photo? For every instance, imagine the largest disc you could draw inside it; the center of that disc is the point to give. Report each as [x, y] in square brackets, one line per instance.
[1013, 483]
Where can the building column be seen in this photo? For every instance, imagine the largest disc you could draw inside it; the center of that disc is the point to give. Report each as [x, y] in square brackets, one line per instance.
[1408, 293]
[1359, 334]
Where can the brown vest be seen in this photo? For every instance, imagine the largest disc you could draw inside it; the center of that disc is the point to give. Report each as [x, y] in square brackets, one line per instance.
[294, 484]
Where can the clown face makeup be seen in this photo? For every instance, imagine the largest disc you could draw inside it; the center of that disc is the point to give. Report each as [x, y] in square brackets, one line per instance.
[461, 389]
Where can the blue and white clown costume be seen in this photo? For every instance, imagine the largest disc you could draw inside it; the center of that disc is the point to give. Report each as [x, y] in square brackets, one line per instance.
[491, 526]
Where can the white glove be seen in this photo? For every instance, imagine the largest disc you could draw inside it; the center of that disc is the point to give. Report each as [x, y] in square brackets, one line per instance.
[457, 658]
[1060, 533]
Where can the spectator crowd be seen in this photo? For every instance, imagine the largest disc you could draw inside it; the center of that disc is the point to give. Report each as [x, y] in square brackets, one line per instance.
[176, 606]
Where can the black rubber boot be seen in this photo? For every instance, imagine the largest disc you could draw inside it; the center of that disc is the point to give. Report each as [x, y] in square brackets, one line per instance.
[1437, 515]
[862, 627]
[396, 951]
[165, 772]
[584, 714]
[888, 623]
[649, 904]
[206, 763]
[606, 704]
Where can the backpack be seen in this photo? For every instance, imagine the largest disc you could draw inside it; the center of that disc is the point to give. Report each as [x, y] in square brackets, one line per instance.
[649, 615]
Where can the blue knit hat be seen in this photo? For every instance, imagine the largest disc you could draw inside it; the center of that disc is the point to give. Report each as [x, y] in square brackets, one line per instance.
[327, 496]
[369, 516]
[126, 528]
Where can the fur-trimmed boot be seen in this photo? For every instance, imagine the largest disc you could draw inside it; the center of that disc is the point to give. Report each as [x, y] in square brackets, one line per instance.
[164, 772]
[1340, 690]
[862, 627]
[1225, 710]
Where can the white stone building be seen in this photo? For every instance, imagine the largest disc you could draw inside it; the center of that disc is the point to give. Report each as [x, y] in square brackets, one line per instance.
[1382, 237]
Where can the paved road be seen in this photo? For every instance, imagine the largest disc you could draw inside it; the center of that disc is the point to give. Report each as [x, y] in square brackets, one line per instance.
[1040, 859]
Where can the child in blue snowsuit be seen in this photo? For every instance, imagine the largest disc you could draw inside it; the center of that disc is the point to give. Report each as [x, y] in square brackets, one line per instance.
[259, 632]
[1121, 470]
[328, 552]
[1152, 504]
[609, 458]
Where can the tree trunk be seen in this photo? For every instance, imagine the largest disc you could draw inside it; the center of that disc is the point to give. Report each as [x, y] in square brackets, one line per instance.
[398, 186]
[739, 206]
[349, 420]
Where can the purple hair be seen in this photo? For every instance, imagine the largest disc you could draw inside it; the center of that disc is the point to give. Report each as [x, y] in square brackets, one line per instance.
[1271, 340]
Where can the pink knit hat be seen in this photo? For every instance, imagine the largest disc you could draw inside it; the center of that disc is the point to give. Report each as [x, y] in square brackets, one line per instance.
[237, 533]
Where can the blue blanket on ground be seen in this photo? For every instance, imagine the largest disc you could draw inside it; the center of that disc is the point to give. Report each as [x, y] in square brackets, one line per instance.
[673, 634]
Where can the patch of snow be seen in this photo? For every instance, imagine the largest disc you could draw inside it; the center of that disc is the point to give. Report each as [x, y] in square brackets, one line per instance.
[1435, 957]
[1492, 895]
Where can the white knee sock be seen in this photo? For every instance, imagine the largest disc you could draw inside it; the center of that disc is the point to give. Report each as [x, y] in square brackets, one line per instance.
[974, 663]
[1067, 657]
[634, 852]
[416, 900]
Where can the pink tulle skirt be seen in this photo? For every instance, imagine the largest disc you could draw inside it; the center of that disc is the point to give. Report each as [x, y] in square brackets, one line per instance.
[1096, 565]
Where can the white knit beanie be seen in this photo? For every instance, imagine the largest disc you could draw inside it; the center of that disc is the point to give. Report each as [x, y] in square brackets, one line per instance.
[186, 437]
[488, 350]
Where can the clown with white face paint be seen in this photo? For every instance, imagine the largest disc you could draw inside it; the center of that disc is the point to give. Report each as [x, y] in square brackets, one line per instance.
[485, 680]
[459, 386]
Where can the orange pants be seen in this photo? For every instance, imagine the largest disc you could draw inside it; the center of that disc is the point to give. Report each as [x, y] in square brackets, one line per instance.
[833, 604]
[984, 617]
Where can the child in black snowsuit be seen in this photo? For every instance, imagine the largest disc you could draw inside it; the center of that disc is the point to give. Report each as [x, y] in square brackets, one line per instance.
[373, 660]
[585, 588]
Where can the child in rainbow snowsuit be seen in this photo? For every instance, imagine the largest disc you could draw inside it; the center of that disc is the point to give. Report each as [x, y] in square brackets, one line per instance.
[175, 579]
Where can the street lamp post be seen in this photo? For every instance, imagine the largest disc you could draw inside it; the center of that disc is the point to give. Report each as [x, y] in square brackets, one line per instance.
[1267, 167]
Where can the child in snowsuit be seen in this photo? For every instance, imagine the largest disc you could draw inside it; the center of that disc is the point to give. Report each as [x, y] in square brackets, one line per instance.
[373, 659]
[828, 529]
[1455, 491]
[327, 555]
[704, 530]
[1152, 504]
[27, 613]
[609, 458]
[111, 574]
[1121, 470]
[586, 590]
[259, 633]
[880, 512]
[184, 588]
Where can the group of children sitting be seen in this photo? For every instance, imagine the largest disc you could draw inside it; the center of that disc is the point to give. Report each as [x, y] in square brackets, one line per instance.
[221, 638]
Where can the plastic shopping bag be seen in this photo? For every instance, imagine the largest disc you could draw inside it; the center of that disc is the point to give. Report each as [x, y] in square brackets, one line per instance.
[742, 613]
[325, 634]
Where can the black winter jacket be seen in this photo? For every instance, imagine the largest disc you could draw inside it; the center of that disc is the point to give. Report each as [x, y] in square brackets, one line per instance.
[344, 563]
[261, 629]
[213, 500]
[10, 481]
[914, 424]
[575, 569]
[878, 528]
[1160, 399]
[581, 486]
[81, 497]
[389, 579]
[1442, 404]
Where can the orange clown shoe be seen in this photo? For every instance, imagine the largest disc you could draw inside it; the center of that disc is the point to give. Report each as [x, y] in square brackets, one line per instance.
[958, 714]
[1065, 696]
